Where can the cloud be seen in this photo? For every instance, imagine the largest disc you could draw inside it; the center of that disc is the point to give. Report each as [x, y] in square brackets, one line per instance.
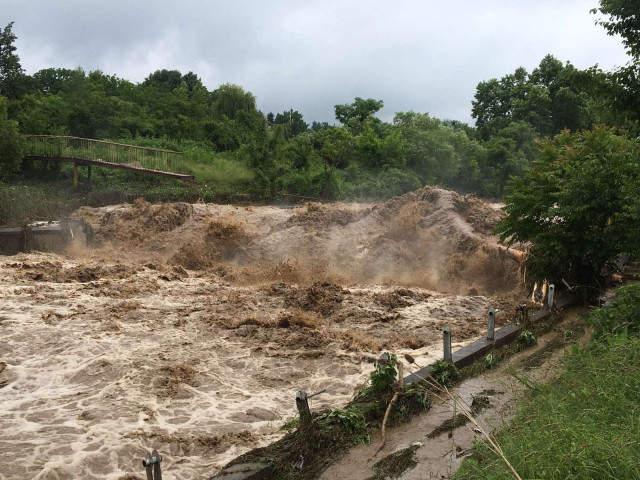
[413, 54]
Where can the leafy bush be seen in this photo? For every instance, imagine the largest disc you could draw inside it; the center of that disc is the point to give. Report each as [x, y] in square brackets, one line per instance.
[445, 373]
[384, 374]
[622, 317]
[526, 337]
[418, 391]
[374, 398]
[351, 419]
[576, 227]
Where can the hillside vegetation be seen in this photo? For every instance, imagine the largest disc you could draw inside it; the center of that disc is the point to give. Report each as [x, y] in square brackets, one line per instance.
[265, 156]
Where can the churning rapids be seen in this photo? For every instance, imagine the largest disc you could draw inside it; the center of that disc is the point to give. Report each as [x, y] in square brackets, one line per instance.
[189, 328]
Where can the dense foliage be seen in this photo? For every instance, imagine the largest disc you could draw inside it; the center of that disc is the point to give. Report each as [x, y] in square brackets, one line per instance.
[11, 144]
[576, 205]
[623, 20]
[532, 132]
[621, 317]
[550, 99]
[360, 157]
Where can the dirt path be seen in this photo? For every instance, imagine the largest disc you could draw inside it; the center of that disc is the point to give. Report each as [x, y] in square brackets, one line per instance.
[189, 328]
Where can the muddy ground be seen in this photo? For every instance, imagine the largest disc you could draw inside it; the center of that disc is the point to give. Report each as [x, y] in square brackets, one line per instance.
[189, 328]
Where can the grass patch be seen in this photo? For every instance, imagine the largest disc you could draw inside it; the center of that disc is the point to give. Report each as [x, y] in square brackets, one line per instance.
[30, 199]
[622, 317]
[585, 425]
[218, 168]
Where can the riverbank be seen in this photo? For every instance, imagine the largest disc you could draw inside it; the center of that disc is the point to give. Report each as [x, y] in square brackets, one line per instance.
[584, 424]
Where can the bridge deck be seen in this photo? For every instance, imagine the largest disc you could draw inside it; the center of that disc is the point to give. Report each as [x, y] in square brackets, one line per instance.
[89, 152]
[119, 166]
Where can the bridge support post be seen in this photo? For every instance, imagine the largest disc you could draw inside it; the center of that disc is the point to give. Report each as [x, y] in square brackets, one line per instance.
[75, 174]
[89, 175]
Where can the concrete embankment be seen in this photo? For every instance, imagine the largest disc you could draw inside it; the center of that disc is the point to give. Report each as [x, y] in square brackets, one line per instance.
[43, 236]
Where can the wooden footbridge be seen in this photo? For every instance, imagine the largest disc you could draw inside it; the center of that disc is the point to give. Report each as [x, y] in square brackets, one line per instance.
[85, 152]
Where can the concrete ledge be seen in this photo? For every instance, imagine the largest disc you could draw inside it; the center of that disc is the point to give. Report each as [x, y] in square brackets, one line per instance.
[245, 471]
[509, 333]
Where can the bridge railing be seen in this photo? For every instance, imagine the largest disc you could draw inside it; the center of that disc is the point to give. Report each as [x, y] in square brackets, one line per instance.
[59, 147]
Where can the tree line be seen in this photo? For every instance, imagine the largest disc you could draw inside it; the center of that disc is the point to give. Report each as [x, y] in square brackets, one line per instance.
[359, 156]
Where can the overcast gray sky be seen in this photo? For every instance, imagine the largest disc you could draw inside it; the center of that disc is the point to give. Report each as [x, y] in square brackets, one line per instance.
[426, 56]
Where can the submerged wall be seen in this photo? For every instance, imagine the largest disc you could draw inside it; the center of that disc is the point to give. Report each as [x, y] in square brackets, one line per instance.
[43, 237]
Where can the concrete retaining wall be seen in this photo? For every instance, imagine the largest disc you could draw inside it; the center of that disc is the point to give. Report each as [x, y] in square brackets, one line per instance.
[509, 333]
[43, 237]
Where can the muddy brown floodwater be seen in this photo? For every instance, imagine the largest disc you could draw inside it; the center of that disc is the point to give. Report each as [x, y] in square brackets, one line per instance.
[189, 328]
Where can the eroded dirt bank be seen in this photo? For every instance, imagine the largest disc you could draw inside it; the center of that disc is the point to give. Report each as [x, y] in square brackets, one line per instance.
[189, 328]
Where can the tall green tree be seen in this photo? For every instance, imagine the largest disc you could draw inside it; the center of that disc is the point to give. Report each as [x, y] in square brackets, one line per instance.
[11, 143]
[299, 150]
[623, 18]
[292, 121]
[229, 99]
[576, 206]
[379, 150]
[438, 152]
[334, 146]
[13, 82]
[553, 97]
[164, 80]
[54, 80]
[354, 115]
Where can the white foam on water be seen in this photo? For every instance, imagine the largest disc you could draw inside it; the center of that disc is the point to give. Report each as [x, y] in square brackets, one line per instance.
[106, 361]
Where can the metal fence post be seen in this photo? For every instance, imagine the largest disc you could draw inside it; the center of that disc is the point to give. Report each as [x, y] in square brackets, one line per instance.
[491, 325]
[151, 465]
[551, 296]
[446, 341]
[302, 404]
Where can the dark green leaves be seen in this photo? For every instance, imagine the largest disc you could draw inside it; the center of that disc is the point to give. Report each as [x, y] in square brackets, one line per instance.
[575, 205]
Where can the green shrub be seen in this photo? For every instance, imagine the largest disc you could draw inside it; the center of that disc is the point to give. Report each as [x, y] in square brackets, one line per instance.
[445, 373]
[576, 227]
[621, 317]
[350, 420]
[417, 391]
[11, 144]
[384, 374]
[490, 361]
[526, 337]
